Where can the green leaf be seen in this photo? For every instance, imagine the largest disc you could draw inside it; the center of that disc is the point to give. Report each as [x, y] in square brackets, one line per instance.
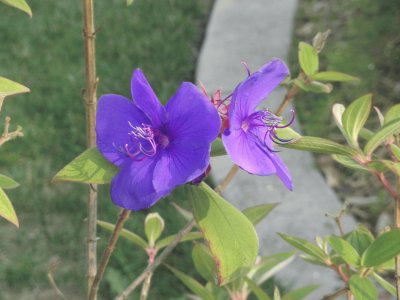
[217, 148]
[381, 135]
[389, 165]
[20, 4]
[360, 239]
[269, 266]
[366, 134]
[305, 246]
[308, 58]
[257, 291]
[129, 2]
[333, 76]
[395, 150]
[348, 162]
[384, 248]
[345, 250]
[287, 133]
[386, 285]
[393, 113]
[318, 145]
[355, 116]
[300, 293]
[184, 212]
[153, 227]
[256, 213]
[7, 210]
[230, 236]
[362, 288]
[203, 262]
[126, 234]
[89, 167]
[277, 294]
[7, 182]
[192, 284]
[9, 87]
[195, 235]
[313, 86]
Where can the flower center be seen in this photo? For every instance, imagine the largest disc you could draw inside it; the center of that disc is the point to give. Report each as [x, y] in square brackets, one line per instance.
[144, 142]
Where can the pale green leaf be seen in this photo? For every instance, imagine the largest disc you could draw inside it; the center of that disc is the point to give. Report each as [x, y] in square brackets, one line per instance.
[393, 113]
[230, 236]
[277, 294]
[355, 116]
[195, 235]
[313, 86]
[385, 284]
[126, 234]
[192, 284]
[382, 135]
[395, 150]
[9, 87]
[153, 227]
[319, 145]
[129, 2]
[256, 213]
[89, 167]
[384, 248]
[308, 58]
[217, 148]
[345, 250]
[333, 76]
[300, 293]
[305, 246]
[287, 133]
[7, 182]
[203, 262]
[257, 291]
[19, 4]
[7, 210]
[362, 288]
[349, 162]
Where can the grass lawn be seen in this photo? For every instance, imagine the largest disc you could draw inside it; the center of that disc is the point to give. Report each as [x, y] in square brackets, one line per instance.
[45, 53]
[365, 42]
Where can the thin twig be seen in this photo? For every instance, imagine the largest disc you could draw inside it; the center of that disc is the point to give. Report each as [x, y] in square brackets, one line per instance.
[335, 294]
[52, 281]
[228, 178]
[146, 286]
[107, 252]
[289, 96]
[90, 101]
[7, 135]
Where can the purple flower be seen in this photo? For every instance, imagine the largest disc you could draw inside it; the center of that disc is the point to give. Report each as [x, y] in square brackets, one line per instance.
[251, 133]
[156, 147]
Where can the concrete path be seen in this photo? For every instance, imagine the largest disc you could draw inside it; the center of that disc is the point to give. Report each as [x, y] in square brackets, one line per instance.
[256, 31]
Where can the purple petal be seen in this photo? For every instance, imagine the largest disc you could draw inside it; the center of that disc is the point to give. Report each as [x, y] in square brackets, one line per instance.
[180, 163]
[132, 187]
[145, 98]
[191, 115]
[250, 92]
[244, 151]
[282, 171]
[114, 113]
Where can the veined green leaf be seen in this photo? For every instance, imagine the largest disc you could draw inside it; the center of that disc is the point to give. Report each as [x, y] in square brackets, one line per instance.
[355, 116]
[257, 291]
[348, 162]
[203, 262]
[7, 182]
[192, 284]
[386, 285]
[395, 150]
[333, 76]
[305, 246]
[381, 135]
[217, 148]
[126, 234]
[20, 4]
[7, 210]
[360, 239]
[393, 113]
[218, 219]
[89, 167]
[345, 250]
[300, 293]
[9, 87]
[308, 59]
[256, 213]
[384, 248]
[318, 145]
[362, 288]
[195, 235]
[314, 86]
[366, 134]
[391, 165]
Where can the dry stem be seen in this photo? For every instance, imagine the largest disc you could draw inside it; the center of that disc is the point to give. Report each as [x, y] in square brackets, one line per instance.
[7, 135]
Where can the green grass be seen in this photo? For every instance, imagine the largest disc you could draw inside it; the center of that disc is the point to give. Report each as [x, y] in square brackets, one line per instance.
[45, 53]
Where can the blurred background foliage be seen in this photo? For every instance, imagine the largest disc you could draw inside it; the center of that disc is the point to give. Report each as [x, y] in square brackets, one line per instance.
[45, 53]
